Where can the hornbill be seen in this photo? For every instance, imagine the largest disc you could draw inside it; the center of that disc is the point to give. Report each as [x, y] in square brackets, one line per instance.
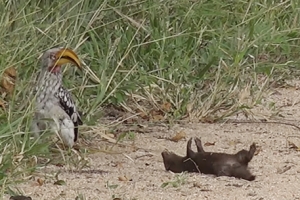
[54, 107]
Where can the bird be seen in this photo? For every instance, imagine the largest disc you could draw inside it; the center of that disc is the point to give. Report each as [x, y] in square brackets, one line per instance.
[54, 107]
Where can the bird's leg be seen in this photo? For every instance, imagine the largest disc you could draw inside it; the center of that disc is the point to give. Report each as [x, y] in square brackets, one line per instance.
[60, 150]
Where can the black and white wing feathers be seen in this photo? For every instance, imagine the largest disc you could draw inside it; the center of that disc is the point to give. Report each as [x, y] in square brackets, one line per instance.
[68, 105]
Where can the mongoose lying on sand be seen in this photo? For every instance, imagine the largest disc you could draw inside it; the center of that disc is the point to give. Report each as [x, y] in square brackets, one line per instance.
[219, 164]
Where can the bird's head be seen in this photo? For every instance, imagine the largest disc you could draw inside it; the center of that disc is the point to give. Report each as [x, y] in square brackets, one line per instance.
[54, 58]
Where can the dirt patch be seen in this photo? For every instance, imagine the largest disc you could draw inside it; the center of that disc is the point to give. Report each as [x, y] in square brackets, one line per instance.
[138, 173]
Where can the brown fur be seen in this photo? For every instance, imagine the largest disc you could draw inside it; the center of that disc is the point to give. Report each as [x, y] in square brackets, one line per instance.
[219, 164]
[178, 164]
[222, 164]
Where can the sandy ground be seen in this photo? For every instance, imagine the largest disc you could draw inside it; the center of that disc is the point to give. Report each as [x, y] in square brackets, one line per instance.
[276, 164]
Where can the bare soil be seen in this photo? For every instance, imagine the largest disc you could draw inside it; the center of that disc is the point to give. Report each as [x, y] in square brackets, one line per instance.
[137, 171]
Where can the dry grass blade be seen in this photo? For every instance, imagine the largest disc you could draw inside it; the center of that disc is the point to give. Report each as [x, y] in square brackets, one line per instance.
[157, 61]
[135, 23]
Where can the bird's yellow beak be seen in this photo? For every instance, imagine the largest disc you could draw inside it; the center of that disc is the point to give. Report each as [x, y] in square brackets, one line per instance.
[65, 56]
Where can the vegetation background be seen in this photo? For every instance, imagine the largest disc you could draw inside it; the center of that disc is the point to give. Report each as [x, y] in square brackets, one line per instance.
[187, 59]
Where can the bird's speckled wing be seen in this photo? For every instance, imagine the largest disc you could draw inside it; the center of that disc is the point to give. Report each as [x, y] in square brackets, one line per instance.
[67, 103]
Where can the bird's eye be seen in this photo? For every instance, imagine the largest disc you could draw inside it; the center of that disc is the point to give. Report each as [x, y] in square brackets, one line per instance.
[52, 57]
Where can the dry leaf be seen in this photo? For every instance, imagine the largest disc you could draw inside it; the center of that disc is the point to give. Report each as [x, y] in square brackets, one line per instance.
[40, 181]
[209, 143]
[283, 169]
[179, 136]
[116, 164]
[157, 115]
[166, 107]
[2, 104]
[292, 145]
[59, 164]
[197, 185]
[123, 178]
[60, 182]
[8, 80]
[158, 118]
[208, 119]
[143, 115]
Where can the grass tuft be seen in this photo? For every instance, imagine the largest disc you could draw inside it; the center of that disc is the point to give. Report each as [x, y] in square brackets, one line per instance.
[206, 59]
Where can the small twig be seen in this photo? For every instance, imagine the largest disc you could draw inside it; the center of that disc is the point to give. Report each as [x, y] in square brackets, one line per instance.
[148, 154]
[194, 164]
[127, 156]
[251, 122]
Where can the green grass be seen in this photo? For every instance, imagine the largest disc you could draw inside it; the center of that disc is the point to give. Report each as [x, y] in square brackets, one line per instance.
[199, 56]
[180, 179]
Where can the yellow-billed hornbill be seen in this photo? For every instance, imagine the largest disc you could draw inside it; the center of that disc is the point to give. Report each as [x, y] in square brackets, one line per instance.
[54, 106]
